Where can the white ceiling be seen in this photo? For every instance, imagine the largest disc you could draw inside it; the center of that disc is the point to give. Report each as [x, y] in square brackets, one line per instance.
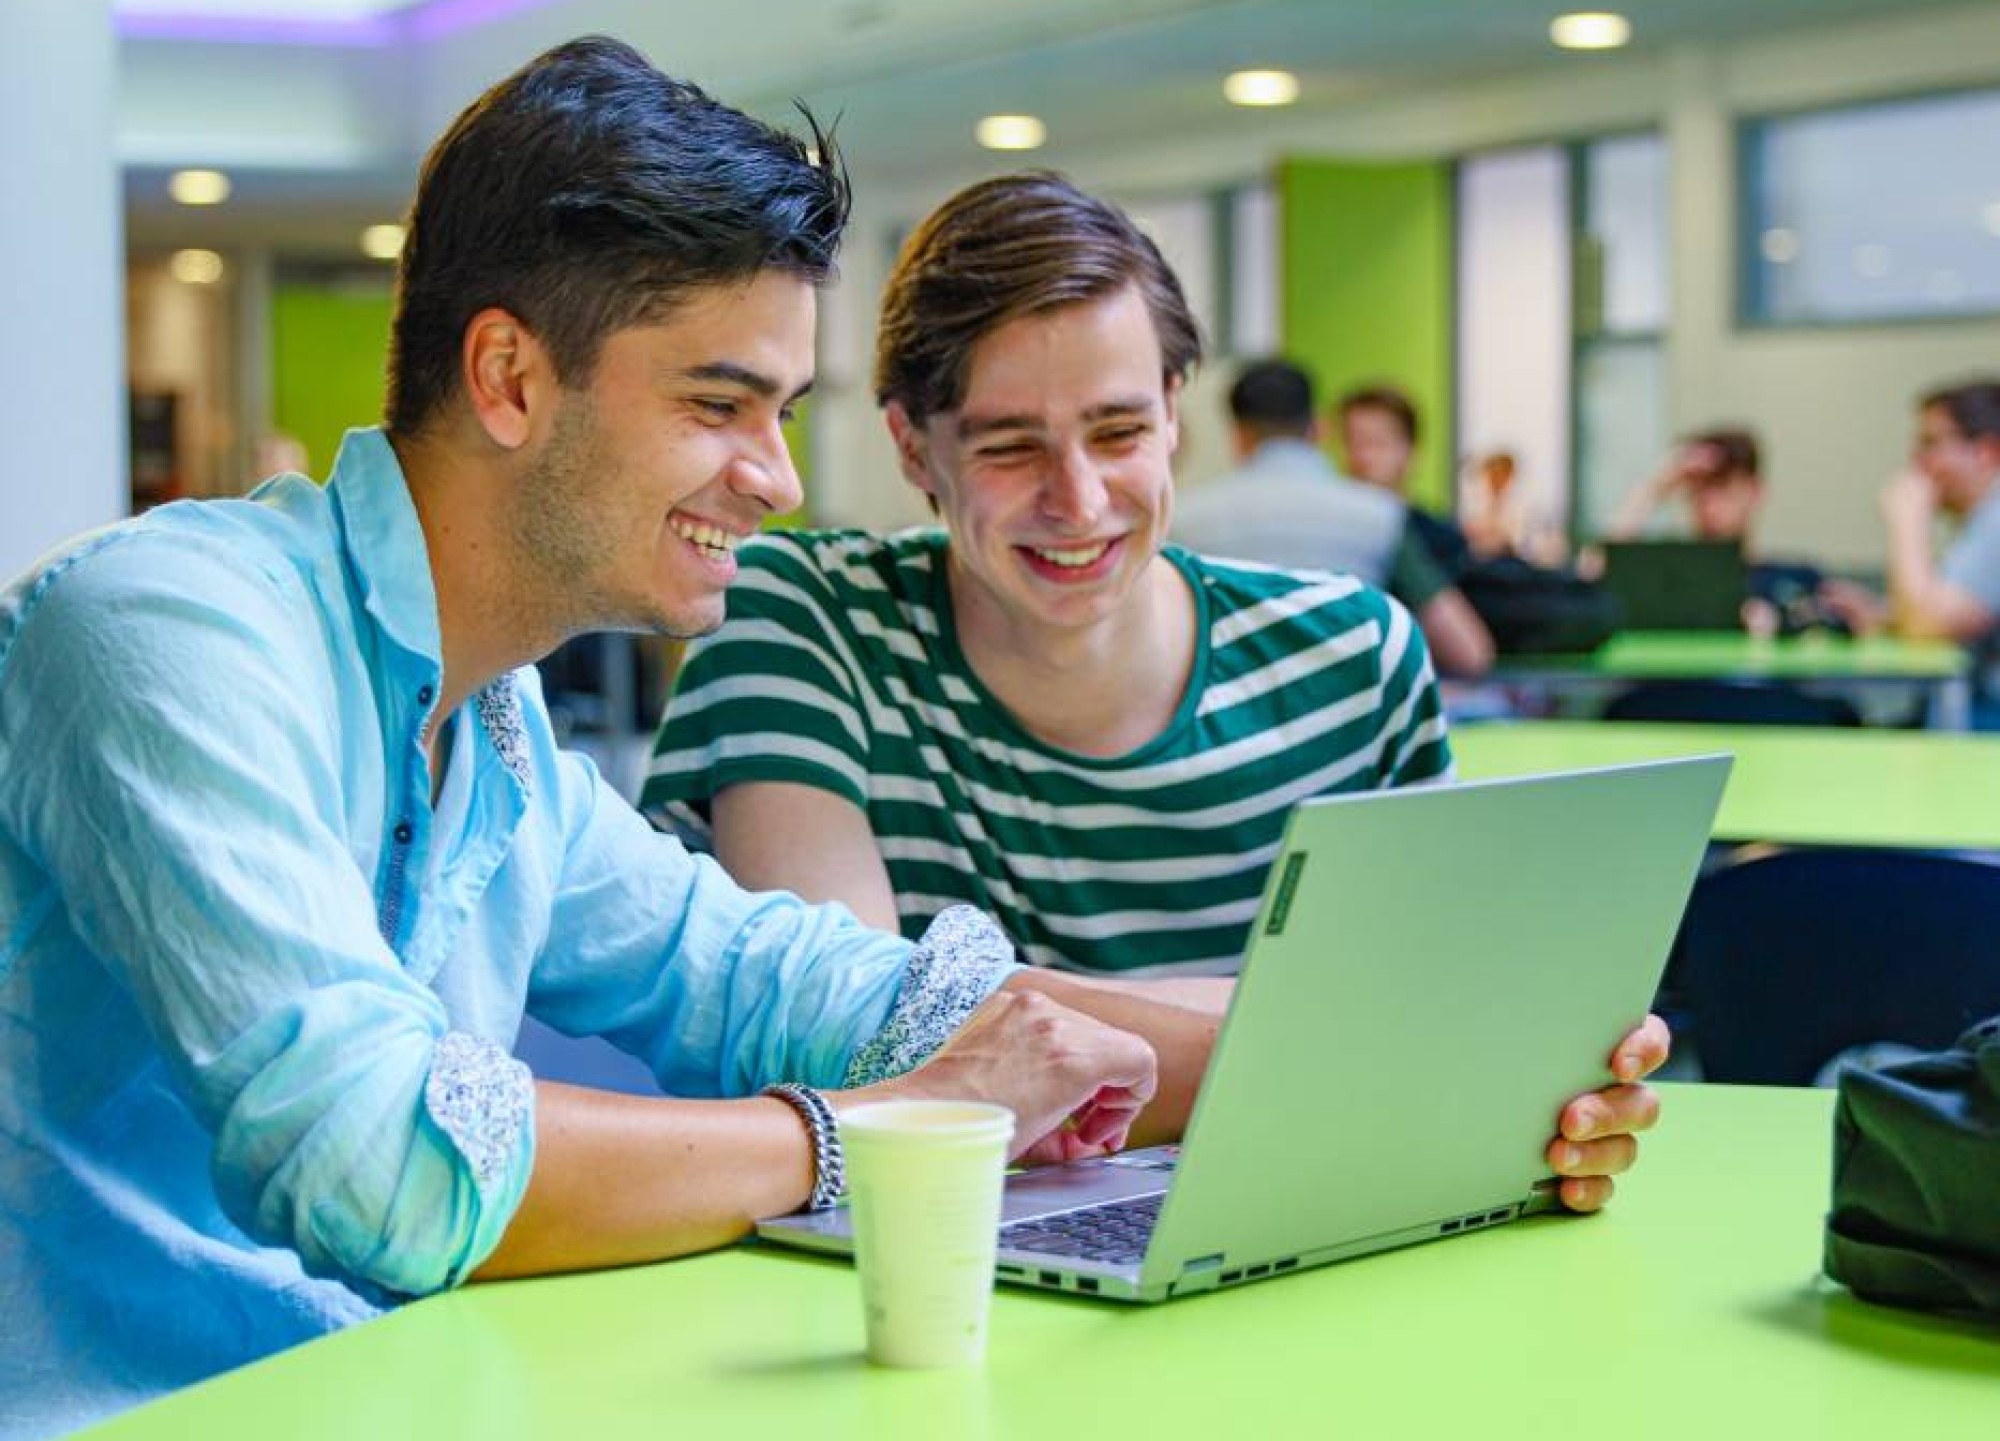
[323, 117]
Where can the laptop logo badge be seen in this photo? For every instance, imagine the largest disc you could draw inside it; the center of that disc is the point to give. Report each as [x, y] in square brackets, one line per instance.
[1288, 884]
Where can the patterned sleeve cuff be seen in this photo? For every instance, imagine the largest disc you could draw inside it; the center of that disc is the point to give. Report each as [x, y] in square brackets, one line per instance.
[480, 1097]
[961, 960]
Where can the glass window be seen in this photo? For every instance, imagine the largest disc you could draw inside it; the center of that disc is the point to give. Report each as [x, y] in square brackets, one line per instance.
[1877, 212]
[1621, 317]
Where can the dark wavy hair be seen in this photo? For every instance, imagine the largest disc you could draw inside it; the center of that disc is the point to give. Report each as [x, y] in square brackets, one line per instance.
[1004, 248]
[585, 193]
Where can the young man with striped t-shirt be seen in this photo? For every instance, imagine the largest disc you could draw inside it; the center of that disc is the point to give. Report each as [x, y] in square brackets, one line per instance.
[1043, 709]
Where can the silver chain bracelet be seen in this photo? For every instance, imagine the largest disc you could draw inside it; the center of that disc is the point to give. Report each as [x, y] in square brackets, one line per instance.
[829, 1163]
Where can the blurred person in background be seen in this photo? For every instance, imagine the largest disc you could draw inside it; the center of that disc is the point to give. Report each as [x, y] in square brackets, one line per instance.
[1286, 505]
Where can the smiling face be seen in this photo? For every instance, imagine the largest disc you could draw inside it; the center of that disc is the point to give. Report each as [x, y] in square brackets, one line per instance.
[1052, 474]
[668, 456]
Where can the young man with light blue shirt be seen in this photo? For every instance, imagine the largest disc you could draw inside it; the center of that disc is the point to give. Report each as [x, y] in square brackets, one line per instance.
[287, 848]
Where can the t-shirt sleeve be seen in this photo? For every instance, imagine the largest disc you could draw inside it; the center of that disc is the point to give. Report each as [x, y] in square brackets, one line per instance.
[1972, 563]
[1415, 577]
[1415, 748]
[774, 694]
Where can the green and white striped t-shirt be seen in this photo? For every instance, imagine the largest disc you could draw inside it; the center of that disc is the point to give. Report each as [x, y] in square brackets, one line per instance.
[838, 667]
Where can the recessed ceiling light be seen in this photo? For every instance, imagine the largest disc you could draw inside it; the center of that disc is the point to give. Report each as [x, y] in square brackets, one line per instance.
[198, 187]
[1590, 30]
[1261, 87]
[195, 267]
[1780, 245]
[1873, 261]
[382, 242]
[1011, 132]
[1991, 215]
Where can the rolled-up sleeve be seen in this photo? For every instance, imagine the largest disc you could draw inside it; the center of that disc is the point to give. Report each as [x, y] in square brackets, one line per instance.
[187, 809]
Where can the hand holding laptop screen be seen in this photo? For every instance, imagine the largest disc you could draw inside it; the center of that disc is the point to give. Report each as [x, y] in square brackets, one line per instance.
[1597, 1132]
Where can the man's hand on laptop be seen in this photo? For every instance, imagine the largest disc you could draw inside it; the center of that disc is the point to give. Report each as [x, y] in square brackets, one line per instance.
[1598, 1131]
[1074, 1084]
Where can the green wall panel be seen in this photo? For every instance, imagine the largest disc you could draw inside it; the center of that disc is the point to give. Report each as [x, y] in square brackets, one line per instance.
[329, 354]
[1366, 293]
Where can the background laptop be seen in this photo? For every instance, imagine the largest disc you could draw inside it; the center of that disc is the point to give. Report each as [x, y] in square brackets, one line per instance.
[1677, 584]
[1432, 974]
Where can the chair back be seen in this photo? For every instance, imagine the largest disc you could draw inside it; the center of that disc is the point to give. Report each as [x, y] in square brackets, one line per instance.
[1791, 957]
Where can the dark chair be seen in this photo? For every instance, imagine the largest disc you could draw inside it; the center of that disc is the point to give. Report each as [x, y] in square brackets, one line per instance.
[1715, 702]
[1789, 958]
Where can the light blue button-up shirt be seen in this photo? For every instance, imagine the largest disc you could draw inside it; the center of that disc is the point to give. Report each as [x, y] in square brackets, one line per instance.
[256, 993]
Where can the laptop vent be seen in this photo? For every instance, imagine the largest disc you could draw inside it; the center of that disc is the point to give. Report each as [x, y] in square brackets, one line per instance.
[1477, 1218]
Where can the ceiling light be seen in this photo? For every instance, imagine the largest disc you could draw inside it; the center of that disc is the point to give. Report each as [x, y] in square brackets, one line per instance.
[1991, 216]
[1261, 87]
[1590, 30]
[1780, 245]
[1011, 132]
[382, 242]
[198, 187]
[1872, 261]
[195, 267]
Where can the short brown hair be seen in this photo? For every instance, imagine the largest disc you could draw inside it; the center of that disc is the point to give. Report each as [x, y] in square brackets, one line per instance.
[1736, 446]
[1001, 249]
[1973, 405]
[1387, 399]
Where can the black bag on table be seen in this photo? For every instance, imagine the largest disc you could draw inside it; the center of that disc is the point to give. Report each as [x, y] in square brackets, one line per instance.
[1538, 610]
[1916, 1179]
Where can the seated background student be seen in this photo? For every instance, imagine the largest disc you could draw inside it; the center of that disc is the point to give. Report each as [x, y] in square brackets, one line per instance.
[1286, 505]
[1717, 476]
[1524, 606]
[1378, 442]
[1954, 470]
[1041, 709]
[1497, 516]
[287, 848]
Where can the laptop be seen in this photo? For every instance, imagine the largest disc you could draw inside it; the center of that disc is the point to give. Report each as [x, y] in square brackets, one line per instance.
[1677, 584]
[1432, 974]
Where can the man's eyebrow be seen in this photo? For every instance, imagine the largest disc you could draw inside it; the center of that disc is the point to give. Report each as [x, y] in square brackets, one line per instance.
[754, 381]
[971, 427]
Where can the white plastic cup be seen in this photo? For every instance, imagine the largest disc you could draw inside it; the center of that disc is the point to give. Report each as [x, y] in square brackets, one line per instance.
[924, 1179]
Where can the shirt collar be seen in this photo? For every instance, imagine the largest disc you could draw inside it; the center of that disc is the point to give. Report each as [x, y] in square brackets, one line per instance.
[385, 542]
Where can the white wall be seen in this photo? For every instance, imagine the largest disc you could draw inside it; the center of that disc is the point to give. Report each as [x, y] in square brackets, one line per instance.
[1832, 404]
[62, 409]
[1513, 321]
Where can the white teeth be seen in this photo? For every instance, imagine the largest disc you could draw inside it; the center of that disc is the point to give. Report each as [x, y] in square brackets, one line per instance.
[707, 536]
[1073, 559]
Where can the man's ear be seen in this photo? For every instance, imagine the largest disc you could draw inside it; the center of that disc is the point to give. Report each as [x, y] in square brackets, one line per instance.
[1170, 415]
[508, 377]
[913, 447]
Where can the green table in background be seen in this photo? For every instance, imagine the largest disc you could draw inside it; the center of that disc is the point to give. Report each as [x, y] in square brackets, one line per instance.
[1808, 786]
[1690, 1309]
[1938, 668]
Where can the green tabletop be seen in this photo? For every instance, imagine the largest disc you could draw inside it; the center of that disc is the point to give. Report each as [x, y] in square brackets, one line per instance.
[1818, 786]
[1690, 655]
[1689, 1309]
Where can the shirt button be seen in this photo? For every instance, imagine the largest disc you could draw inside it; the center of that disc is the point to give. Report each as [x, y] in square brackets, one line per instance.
[403, 833]
[424, 694]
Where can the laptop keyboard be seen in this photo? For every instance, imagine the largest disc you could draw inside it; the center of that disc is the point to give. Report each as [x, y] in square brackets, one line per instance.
[1114, 1233]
